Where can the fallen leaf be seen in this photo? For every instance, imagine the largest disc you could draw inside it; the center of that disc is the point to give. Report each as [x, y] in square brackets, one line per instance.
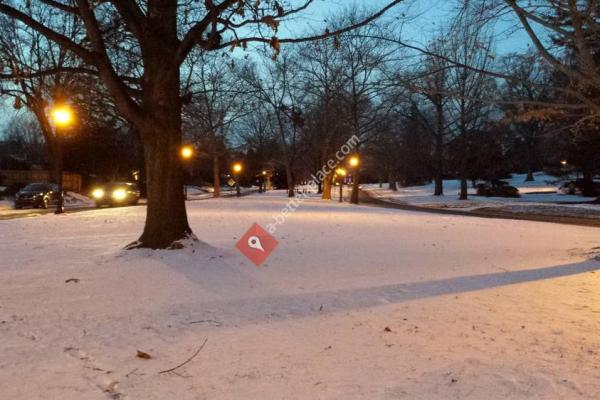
[387, 329]
[144, 355]
[75, 280]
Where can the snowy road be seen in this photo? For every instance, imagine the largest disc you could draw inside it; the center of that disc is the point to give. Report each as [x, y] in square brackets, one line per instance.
[355, 303]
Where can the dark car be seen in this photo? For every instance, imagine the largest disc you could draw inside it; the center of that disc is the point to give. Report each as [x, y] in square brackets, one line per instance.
[36, 195]
[496, 188]
[116, 194]
[580, 186]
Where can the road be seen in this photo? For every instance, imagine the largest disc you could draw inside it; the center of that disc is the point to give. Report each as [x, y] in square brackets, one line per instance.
[366, 198]
[36, 212]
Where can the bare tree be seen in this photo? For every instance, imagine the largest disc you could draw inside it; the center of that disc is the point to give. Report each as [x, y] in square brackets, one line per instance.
[276, 87]
[471, 90]
[217, 101]
[26, 60]
[154, 38]
[565, 35]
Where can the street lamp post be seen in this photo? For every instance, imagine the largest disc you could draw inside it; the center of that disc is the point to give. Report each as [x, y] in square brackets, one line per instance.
[237, 169]
[186, 153]
[341, 173]
[61, 117]
[354, 162]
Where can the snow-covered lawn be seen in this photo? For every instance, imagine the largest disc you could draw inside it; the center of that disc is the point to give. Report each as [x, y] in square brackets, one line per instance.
[536, 197]
[356, 302]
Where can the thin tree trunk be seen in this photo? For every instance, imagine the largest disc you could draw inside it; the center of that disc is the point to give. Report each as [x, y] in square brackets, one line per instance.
[216, 176]
[392, 183]
[327, 183]
[290, 179]
[463, 189]
[439, 151]
[355, 186]
[529, 177]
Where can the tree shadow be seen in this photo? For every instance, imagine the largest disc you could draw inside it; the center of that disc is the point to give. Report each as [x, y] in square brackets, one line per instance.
[258, 309]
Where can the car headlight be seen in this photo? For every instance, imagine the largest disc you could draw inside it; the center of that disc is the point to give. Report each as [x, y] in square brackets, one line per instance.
[98, 193]
[119, 194]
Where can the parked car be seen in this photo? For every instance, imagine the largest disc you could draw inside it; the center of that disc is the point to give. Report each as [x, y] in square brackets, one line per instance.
[580, 186]
[116, 194]
[496, 188]
[36, 195]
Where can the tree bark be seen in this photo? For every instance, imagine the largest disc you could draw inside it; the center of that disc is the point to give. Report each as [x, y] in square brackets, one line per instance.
[392, 183]
[355, 186]
[327, 183]
[529, 177]
[166, 218]
[290, 179]
[439, 151]
[463, 189]
[216, 176]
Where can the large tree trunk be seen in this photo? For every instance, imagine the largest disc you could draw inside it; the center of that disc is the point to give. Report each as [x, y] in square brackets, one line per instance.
[216, 176]
[166, 218]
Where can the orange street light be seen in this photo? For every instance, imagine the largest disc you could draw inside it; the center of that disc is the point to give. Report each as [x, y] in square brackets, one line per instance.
[186, 152]
[62, 115]
[340, 171]
[354, 161]
[237, 168]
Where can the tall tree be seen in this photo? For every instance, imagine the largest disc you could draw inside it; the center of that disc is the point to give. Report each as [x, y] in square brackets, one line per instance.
[153, 38]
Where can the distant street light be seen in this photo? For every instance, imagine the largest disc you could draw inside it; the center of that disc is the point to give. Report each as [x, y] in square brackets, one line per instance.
[341, 173]
[186, 152]
[62, 117]
[354, 162]
[564, 163]
[237, 170]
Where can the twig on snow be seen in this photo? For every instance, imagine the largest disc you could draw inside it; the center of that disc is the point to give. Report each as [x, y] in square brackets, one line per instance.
[186, 361]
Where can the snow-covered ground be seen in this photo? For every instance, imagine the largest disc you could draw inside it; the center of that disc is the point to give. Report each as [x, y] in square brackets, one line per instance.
[535, 197]
[356, 302]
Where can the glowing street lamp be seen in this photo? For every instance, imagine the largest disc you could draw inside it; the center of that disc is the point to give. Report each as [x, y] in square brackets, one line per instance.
[186, 152]
[62, 117]
[354, 162]
[237, 170]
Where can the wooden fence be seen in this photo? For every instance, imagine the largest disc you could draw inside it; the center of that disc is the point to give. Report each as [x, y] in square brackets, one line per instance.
[71, 181]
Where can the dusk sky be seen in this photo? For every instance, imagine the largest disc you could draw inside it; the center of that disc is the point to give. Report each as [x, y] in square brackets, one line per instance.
[427, 16]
